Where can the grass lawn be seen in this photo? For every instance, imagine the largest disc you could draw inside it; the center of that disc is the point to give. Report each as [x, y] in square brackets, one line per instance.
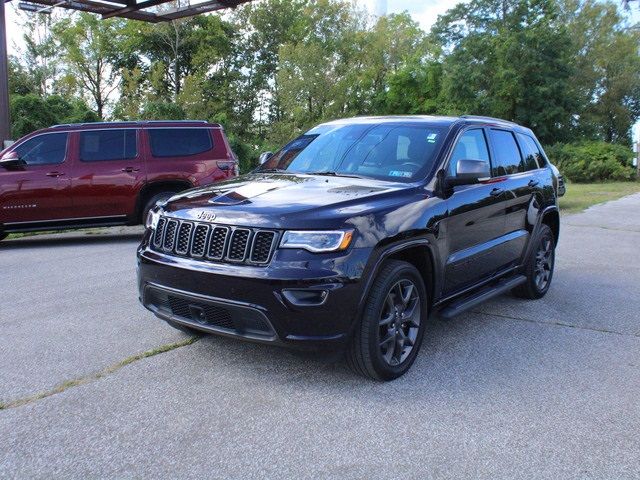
[582, 195]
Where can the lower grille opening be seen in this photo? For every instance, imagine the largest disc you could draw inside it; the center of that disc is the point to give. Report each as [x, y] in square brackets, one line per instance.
[201, 313]
[209, 314]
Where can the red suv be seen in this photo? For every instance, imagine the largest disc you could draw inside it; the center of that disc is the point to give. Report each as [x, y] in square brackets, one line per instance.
[102, 174]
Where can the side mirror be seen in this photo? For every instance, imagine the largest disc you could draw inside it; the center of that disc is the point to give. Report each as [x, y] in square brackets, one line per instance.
[264, 157]
[469, 172]
[11, 161]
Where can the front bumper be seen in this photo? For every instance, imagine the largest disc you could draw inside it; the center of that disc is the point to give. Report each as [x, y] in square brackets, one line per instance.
[299, 300]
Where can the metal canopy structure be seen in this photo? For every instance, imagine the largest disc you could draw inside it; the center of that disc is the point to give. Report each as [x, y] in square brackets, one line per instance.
[143, 10]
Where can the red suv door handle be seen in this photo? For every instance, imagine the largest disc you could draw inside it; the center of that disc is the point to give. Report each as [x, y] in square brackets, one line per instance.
[130, 169]
[54, 174]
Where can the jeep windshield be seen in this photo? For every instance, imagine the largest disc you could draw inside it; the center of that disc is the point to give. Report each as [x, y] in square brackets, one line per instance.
[387, 151]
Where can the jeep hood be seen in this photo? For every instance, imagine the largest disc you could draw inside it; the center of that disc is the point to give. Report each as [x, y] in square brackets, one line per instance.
[283, 200]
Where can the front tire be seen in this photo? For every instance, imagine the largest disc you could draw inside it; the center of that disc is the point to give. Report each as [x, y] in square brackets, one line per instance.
[539, 267]
[389, 334]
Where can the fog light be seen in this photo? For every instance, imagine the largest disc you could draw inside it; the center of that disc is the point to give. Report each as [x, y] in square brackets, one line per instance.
[306, 298]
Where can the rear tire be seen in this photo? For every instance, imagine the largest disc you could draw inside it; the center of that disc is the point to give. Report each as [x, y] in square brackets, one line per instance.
[389, 334]
[539, 267]
[184, 328]
[152, 202]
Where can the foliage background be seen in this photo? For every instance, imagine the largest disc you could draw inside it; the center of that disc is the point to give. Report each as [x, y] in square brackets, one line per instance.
[568, 69]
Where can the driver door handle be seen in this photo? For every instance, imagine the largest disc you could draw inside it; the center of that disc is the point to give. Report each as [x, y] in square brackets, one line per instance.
[496, 192]
[54, 174]
[533, 183]
[130, 169]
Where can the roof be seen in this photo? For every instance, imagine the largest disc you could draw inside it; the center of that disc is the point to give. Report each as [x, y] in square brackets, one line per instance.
[144, 10]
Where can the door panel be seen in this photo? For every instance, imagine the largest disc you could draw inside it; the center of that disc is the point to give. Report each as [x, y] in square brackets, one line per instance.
[41, 190]
[475, 235]
[108, 172]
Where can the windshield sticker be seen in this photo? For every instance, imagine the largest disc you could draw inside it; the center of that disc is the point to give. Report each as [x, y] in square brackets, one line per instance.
[431, 138]
[399, 173]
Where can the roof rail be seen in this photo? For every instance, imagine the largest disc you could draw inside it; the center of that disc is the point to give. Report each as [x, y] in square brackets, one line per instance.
[127, 123]
[67, 125]
[173, 121]
[484, 117]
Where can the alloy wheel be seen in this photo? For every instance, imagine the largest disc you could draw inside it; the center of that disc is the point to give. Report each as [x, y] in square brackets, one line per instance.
[399, 322]
[544, 264]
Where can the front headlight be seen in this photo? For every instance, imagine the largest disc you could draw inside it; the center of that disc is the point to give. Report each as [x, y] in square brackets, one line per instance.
[317, 241]
[152, 219]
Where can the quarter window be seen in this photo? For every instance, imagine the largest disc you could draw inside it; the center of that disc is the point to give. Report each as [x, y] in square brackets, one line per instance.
[179, 142]
[46, 149]
[472, 145]
[507, 159]
[530, 151]
[100, 145]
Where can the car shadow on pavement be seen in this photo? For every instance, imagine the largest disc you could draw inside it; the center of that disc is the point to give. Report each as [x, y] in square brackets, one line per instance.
[469, 353]
[53, 241]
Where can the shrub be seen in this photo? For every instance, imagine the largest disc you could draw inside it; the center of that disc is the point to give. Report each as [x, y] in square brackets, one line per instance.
[593, 161]
[31, 112]
[163, 111]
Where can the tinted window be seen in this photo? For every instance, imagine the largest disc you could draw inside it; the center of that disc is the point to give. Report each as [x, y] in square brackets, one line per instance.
[507, 156]
[472, 145]
[47, 149]
[96, 146]
[530, 151]
[179, 142]
[385, 151]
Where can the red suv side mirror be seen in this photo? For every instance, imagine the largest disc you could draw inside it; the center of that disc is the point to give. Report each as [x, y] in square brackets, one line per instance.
[11, 161]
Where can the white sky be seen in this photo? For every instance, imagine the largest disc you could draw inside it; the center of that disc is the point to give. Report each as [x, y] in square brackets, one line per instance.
[425, 12]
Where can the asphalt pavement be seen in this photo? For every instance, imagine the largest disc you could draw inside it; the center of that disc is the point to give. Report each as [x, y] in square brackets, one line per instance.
[515, 389]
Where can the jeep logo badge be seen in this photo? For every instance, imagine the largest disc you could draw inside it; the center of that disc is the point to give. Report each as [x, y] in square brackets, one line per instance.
[206, 216]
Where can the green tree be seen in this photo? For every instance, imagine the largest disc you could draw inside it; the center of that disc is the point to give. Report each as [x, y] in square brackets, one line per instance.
[21, 82]
[510, 59]
[607, 69]
[31, 112]
[91, 50]
[41, 55]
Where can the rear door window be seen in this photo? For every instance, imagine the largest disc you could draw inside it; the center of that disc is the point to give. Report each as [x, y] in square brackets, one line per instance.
[507, 159]
[46, 149]
[102, 145]
[179, 142]
[530, 152]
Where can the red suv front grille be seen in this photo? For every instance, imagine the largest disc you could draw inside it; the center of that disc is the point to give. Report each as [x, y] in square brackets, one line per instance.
[218, 243]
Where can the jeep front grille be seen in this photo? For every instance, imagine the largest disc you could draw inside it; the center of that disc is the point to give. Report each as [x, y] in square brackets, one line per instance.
[218, 243]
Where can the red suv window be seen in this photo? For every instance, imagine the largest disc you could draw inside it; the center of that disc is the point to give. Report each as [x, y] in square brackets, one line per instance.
[179, 142]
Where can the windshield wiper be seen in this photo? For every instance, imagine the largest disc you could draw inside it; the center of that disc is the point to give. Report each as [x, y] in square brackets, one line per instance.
[333, 174]
[272, 170]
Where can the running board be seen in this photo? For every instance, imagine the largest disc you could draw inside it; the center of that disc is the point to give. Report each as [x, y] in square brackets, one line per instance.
[480, 296]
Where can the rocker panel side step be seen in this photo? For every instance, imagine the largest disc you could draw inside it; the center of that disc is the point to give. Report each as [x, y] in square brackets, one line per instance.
[480, 296]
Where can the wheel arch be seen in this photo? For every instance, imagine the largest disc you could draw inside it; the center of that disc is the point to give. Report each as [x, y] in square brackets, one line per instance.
[551, 218]
[152, 188]
[419, 253]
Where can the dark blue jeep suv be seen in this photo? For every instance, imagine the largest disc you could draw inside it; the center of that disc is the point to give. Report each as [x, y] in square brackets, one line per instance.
[353, 233]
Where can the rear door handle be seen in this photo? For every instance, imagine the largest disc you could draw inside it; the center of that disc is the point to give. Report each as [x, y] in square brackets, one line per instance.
[130, 169]
[533, 183]
[54, 174]
[496, 192]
